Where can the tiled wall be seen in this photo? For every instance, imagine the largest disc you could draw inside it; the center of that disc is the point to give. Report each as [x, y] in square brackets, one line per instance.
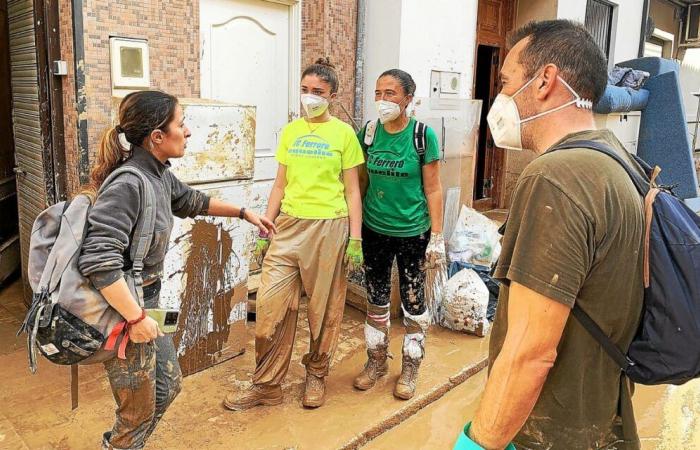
[328, 29]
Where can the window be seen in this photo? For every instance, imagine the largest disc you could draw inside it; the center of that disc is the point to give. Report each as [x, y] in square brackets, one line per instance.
[599, 20]
[659, 44]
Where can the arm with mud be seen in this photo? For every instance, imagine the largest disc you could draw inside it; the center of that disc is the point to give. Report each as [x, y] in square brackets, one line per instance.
[535, 327]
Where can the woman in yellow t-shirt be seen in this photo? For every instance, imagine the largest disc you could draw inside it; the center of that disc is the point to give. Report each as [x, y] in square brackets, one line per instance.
[317, 208]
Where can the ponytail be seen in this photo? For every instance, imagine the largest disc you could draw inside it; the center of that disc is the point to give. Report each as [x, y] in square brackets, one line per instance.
[109, 157]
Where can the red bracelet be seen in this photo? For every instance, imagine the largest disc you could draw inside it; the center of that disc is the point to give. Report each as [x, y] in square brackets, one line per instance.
[135, 321]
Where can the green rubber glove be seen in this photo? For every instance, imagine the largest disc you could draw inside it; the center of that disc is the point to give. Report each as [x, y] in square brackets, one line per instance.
[465, 443]
[261, 246]
[353, 255]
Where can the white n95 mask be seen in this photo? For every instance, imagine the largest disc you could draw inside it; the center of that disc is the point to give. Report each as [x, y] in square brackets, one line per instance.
[314, 105]
[387, 110]
[505, 122]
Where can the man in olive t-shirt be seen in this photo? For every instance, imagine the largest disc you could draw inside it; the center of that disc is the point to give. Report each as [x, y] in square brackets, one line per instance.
[573, 235]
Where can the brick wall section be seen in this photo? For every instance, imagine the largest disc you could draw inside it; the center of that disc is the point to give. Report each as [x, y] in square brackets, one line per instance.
[172, 30]
[329, 29]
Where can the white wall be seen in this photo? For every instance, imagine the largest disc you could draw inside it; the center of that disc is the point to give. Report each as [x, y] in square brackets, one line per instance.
[629, 24]
[420, 36]
[439, 35]
[626, 29]
[382, 41]
[572, 9]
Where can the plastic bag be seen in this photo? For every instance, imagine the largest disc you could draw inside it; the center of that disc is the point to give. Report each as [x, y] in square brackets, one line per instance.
[475, 239]
[435, 284]
[465, 304]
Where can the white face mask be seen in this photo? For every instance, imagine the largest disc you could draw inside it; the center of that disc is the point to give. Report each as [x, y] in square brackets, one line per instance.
[314, 105]
[387, 110]
[505, 122]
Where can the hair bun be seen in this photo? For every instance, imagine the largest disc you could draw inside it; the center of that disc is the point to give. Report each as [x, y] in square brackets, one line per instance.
[326, 62]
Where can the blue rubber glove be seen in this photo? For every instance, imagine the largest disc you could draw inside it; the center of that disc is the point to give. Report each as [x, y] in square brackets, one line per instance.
[464, 443]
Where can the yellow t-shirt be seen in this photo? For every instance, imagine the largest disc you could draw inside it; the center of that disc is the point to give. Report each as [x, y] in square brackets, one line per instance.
[315, 161]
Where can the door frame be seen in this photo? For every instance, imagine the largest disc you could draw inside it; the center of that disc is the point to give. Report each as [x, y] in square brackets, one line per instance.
[48, 45]
[499, 160]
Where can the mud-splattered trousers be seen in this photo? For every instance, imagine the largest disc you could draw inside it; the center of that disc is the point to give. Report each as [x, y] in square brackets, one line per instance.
[379, 251]
[304, 254]
[144, 385]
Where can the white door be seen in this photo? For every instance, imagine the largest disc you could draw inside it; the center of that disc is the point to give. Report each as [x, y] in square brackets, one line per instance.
[245, 60]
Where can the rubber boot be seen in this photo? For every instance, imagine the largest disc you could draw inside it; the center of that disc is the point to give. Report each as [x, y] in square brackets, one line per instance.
[375, 368]
[256, 395]
[314, 391]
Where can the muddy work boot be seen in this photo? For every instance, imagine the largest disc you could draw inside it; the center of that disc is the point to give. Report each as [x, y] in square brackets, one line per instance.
[256, 395]
[406, 384]
[314, 391]
[375, 368]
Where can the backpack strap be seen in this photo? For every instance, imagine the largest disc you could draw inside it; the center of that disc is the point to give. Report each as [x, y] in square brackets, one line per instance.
[145, 226]
[419, 140]
[599, 335]
[642, 187]
[370, 131]
[143, 236]
[640, 183]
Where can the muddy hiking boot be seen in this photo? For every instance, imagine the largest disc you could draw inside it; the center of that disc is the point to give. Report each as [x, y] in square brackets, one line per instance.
[314, 391]
[406, 384]
[375, 368]
[255, 395]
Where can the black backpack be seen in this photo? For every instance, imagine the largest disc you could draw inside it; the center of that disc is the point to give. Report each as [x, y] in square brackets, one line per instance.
[666, 348]
[419, 139]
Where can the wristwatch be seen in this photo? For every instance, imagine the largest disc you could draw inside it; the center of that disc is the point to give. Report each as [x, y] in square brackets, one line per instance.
[241, 214]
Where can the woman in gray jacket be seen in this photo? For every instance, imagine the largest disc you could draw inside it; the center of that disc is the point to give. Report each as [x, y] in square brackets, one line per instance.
[146, 382]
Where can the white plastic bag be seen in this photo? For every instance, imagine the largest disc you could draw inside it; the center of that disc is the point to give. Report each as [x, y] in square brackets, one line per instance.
[465, 304]
[475, 239]
[435, 284]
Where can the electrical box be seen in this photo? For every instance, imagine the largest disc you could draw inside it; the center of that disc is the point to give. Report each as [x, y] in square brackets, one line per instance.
[60, 68]
[444, 89]
[129, 63]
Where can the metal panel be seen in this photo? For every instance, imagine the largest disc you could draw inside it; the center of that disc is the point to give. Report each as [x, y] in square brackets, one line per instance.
[205, 275]
[222, 144]
[599, 16]
[29, 155]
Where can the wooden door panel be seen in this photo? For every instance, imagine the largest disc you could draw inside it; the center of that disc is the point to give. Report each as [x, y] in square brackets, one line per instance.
[495, 20]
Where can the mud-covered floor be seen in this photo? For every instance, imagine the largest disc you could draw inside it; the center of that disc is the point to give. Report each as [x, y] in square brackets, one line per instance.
[35, 410]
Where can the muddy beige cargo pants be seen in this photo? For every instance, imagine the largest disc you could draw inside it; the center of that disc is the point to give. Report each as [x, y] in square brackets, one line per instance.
[309, 254]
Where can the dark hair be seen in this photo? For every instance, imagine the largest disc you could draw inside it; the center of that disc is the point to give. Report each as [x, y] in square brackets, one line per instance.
[404, 78]
[570, 47]
[140, 113]
[323, 69]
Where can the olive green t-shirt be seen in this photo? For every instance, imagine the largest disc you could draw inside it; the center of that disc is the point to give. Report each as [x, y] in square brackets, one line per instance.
[574, 234]
[395, 203]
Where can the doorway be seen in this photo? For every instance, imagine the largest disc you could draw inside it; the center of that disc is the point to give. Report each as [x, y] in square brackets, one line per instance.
[496, 19]
[486, 89]
[9, 226]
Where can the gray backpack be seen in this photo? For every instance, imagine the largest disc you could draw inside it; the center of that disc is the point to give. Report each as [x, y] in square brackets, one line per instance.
[69, 321]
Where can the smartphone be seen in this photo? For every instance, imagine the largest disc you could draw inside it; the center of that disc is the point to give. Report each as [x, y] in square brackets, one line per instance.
[166, 318]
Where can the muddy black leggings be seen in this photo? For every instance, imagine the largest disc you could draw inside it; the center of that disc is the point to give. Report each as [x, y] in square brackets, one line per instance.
[379, 251]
